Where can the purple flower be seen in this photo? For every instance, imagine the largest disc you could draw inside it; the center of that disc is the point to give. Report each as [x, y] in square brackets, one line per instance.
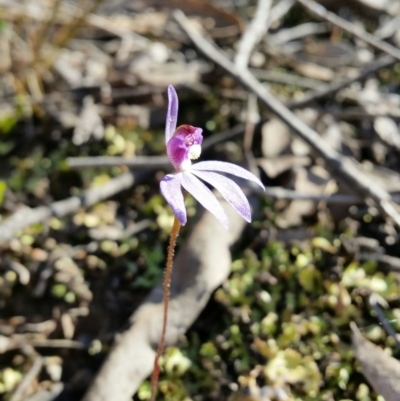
[184, 145]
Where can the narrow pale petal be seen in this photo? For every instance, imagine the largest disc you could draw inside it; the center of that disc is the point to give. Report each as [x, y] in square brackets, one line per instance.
[170, 187]
[229, 190]
[172, 113]
[204, 196]
[229, 168]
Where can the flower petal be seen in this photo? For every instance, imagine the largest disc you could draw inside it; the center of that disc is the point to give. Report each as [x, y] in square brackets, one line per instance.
[170, 187]
[172, 113]
[204, 196]
[229, 190]
[229, 168]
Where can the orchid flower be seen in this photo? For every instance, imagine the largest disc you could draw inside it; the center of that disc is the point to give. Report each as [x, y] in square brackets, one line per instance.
[183, 146]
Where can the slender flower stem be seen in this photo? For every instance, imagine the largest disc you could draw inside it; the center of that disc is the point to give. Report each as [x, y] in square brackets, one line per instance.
[167, 284]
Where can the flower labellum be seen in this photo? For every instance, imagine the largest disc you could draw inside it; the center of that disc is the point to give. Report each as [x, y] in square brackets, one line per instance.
[183, 146]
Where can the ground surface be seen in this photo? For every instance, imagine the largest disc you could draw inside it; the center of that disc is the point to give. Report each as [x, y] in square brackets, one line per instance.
[315, 258]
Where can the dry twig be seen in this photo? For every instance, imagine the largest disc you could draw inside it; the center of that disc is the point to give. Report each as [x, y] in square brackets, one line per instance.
[29, 377]
[21, 340]
[289, 194]
[26, 217]
[375, 301]
[288, 79]
[326, 90]
[138, 162]
[386, 262]
[280, 9]
[355, 30]
[253, 34]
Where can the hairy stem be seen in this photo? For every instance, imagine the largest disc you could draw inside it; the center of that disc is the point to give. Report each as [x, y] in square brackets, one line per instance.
[167, 284]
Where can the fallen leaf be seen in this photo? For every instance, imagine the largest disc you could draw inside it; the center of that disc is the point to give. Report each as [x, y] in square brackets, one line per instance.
[381, 370]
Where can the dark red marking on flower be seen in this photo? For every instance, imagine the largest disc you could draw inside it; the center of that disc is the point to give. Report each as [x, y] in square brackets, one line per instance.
[191, 134]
